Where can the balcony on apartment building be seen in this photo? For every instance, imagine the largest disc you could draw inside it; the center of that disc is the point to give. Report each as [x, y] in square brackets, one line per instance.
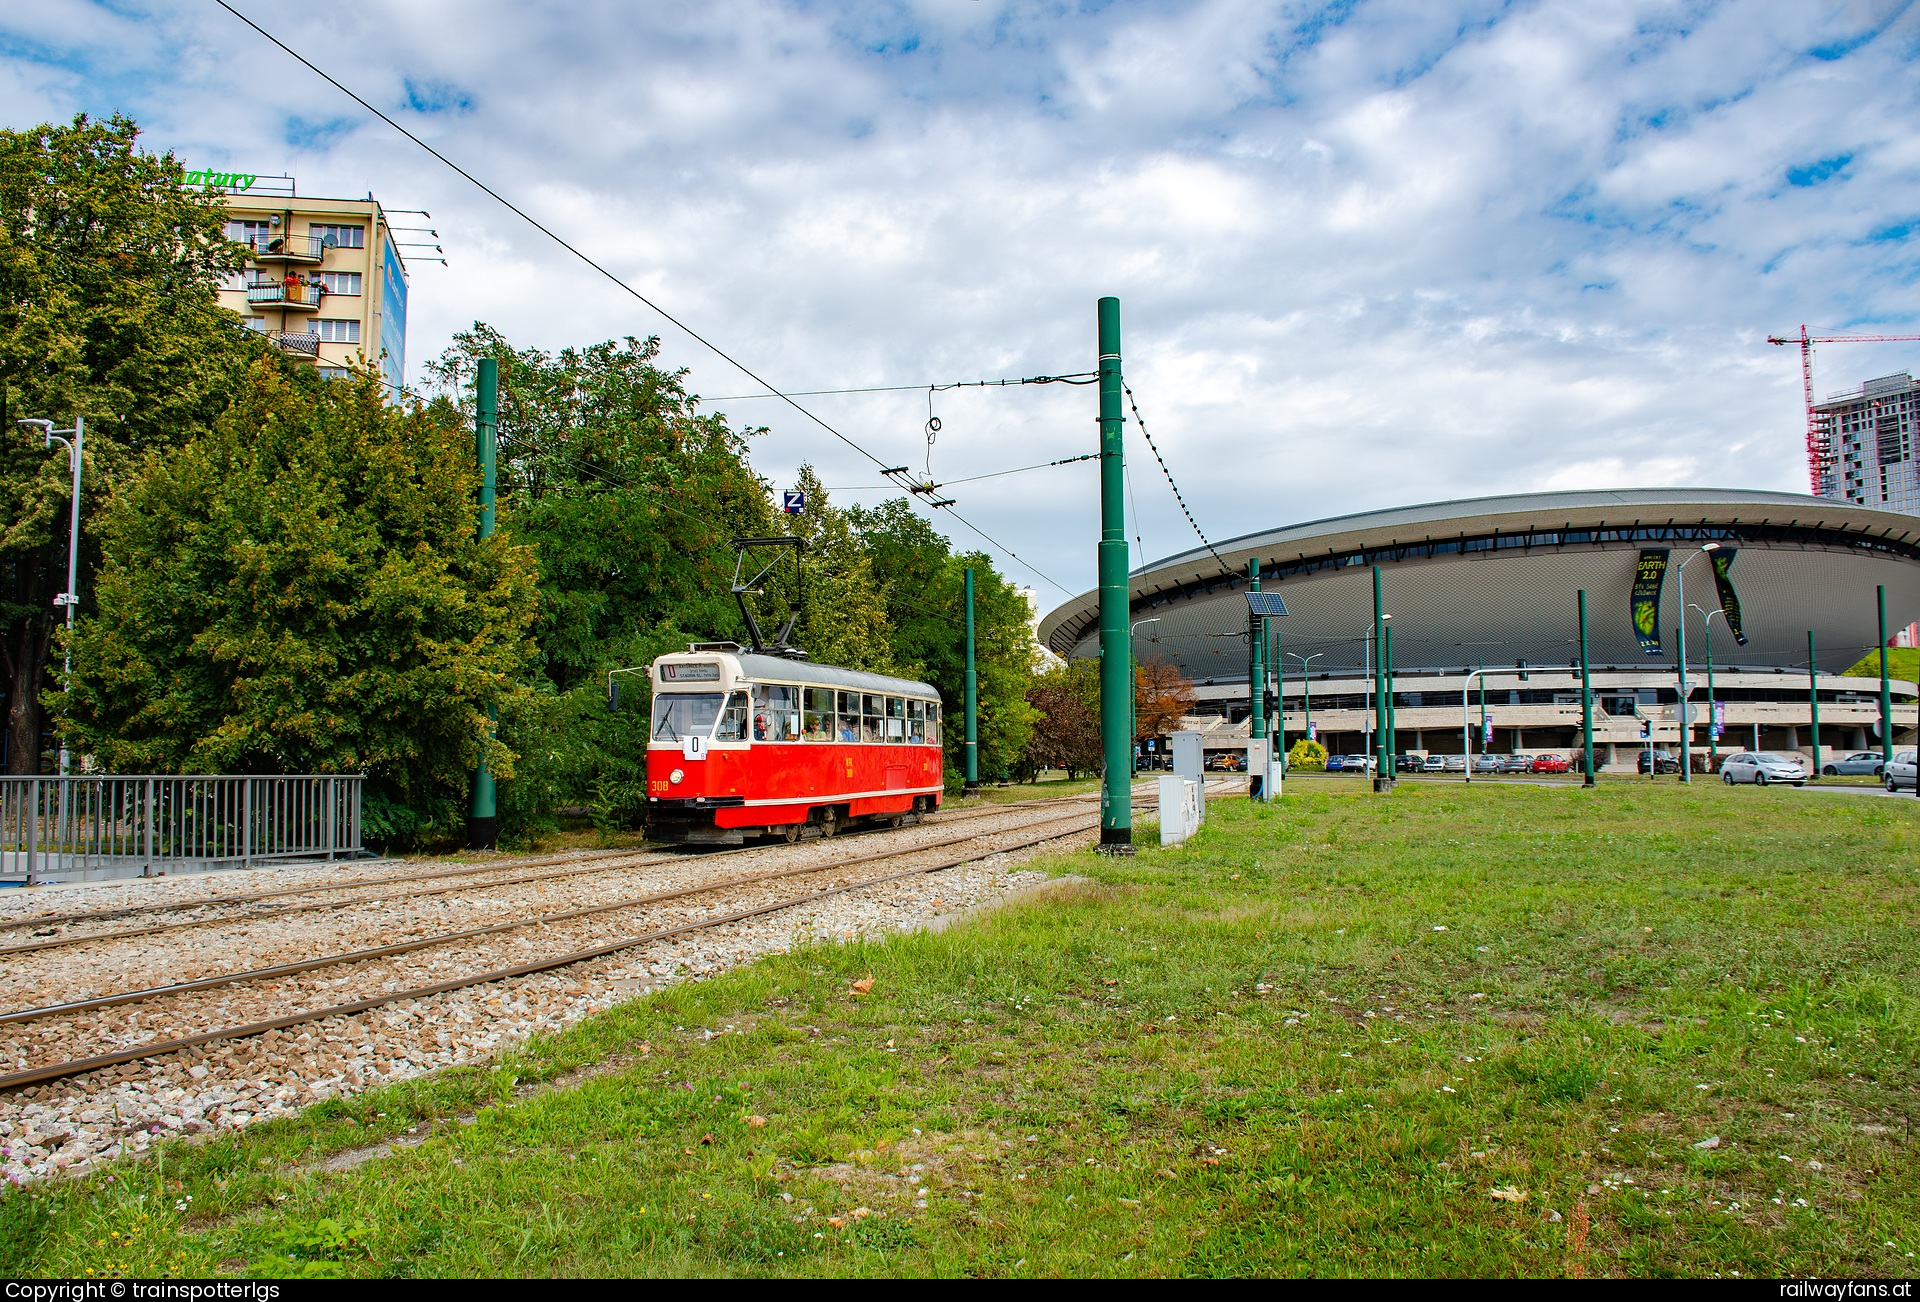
[297, 250]
[303, 346]
[297, 297]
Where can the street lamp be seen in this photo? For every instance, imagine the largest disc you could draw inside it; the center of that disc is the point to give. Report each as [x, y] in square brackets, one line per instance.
[1133, 690]
[71, 597]
[1706, 625]
[1684, 691]
[1306, 686]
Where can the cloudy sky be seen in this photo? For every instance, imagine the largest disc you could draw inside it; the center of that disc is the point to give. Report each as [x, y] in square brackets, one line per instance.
[1368, 253]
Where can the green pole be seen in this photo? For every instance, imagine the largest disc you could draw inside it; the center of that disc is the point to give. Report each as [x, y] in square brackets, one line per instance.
[1116, 652]
[1279, 650]
[1586, 691]
[1382, 779]
[1886, 691]
[1393, 718]
[1813, 699]
[1713, 740]
[1256, 679]
[482, 814]
[972, 786]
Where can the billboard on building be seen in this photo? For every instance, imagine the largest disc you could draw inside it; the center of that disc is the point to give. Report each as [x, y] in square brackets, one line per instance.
[393, 319]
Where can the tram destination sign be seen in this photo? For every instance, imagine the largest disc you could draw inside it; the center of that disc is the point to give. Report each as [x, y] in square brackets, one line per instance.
[695, 673]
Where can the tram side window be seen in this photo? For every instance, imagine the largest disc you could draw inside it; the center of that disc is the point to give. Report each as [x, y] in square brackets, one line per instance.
[776, 714]
[873, 711]
[684, 714]
[916, 722]
[849, 716]
[896, 719]
[933, 723]
[733, 719]
[819, 716]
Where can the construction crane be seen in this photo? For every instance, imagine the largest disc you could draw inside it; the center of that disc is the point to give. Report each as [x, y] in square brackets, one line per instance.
[1819, 452]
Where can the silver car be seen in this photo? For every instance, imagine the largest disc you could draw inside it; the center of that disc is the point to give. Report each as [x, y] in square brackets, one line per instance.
[1763, 767]
[1456, 764]
[1900, 773]
[1865, 762]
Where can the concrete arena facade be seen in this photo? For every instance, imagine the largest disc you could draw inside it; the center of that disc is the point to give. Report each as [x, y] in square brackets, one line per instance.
[1493, 580]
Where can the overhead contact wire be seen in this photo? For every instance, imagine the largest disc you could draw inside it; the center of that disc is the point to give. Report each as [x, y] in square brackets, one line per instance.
[1177, 495]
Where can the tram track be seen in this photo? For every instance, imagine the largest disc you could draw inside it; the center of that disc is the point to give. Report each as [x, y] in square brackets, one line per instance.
[602, 862]
[1044, 830]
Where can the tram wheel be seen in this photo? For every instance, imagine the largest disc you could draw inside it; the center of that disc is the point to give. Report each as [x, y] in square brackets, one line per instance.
[829, 820]
[791, 832]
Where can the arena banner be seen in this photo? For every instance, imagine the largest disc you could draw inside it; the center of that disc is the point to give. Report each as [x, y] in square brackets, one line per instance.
[1647, 581]
[1729, 599]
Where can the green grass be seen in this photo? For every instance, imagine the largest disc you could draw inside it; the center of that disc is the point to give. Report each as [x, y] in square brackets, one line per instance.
[1903, 663]
[1314, 1040]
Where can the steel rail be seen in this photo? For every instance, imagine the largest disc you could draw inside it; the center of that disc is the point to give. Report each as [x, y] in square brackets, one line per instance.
[80, 1066]
[450, 937]
[620, 858]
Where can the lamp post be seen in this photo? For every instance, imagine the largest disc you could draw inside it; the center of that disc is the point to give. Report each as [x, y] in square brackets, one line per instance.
[1684, 690]
[1133, 676]
[1706, 626]
[1306, 686]
[76, 447]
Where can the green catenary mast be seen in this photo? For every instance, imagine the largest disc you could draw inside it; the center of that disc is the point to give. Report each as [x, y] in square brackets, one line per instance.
[1116, 655]
[482, 820]
[972, 703]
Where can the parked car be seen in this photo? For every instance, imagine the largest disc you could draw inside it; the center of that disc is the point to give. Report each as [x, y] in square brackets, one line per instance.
[1336, 763]
[1517, 764]
[1658, 761]
[1866, 762]
[1550, 763]
[1360, 764]
[1227, 763]
[1901, 772]
[1484, 763]
[1434, 764]
[1763, 767]
[1455, 763]
[1409, 762]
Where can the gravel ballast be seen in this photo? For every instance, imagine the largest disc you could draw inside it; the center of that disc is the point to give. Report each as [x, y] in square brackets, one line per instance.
[71, 1125]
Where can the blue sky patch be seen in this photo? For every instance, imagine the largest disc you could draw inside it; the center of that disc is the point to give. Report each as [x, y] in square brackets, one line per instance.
[1814, 173]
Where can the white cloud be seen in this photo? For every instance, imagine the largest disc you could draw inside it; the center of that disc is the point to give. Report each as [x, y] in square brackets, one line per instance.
[1367, 254]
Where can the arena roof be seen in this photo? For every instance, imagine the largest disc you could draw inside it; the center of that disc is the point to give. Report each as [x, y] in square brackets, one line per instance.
[1493, 579]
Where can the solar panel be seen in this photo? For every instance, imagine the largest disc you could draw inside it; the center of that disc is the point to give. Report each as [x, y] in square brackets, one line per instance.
[1266, 604]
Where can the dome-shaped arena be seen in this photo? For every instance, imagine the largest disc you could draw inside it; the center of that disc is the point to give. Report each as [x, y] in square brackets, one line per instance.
[1492, 581]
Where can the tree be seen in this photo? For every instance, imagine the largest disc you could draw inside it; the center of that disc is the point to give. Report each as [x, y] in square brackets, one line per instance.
[1162, 697]
[924, 587]
[300, 590]
[108, 309]
[1066, 733]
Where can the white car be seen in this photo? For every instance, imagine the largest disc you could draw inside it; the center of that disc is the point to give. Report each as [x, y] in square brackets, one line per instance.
[1900, 773]
[1435, 763]
[1762, 767]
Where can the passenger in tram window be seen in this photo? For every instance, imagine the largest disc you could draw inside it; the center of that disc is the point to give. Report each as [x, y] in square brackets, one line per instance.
[819, 717]
[872, 716]
[782, 709]
[896, 719]
[916, 722]
[849, 716]
[933, 723]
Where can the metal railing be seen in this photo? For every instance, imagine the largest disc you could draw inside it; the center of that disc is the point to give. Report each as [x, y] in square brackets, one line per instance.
[294, 341]
[84, 827]
[290, 248]
[266, 293]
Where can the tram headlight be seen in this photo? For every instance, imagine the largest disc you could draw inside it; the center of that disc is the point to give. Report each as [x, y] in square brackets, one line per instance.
[677, 776]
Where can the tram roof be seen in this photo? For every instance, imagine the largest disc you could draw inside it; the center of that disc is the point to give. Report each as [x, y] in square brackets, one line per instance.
[779, 669]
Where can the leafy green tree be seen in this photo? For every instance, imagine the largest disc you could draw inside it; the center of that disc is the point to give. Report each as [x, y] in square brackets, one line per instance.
[301, 590]
[924, 584]
[1066, 733]
[108, 310]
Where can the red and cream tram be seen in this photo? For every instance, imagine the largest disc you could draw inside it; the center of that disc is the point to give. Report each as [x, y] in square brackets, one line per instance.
[762, 745]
